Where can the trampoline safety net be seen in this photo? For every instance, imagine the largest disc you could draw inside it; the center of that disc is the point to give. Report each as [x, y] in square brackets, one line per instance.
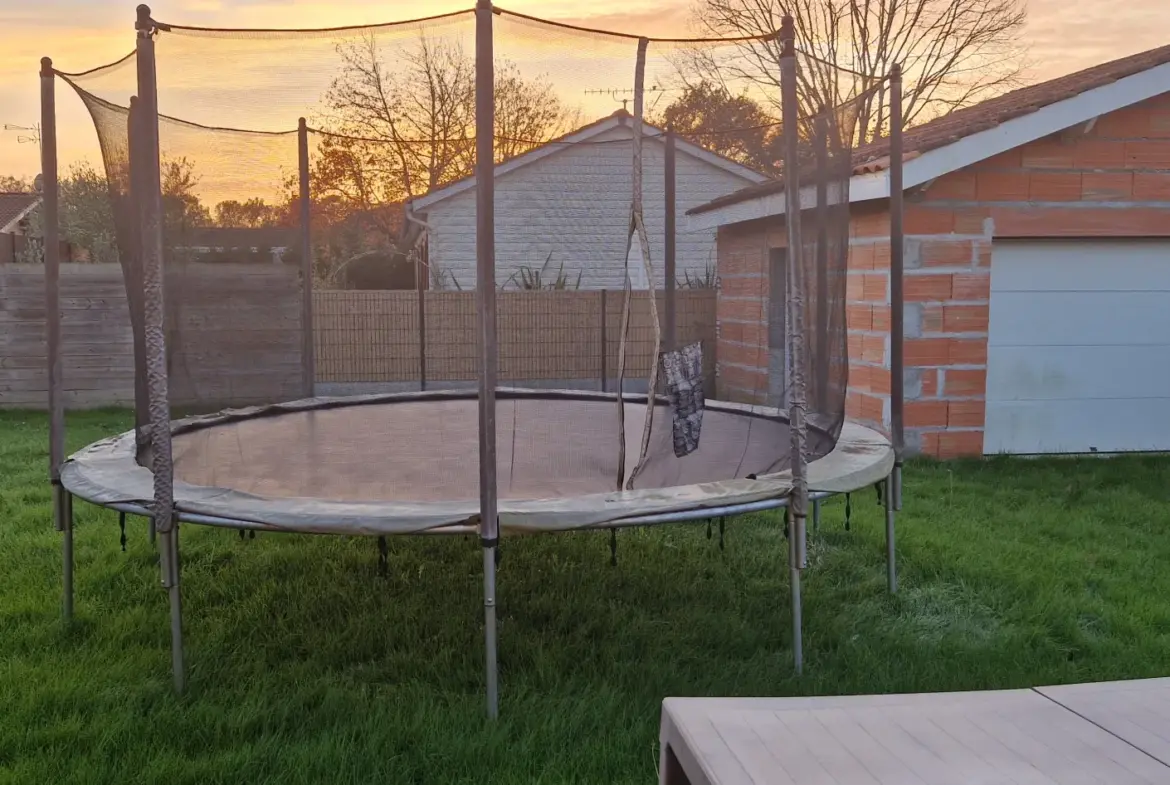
[602, 143]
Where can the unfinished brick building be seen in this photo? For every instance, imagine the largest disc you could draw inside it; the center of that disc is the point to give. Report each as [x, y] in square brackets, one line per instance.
[1037, 280]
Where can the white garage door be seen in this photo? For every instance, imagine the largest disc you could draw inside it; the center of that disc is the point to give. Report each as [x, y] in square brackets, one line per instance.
[1079, 347]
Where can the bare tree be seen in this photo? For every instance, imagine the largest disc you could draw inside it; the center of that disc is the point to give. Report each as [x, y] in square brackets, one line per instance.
[398, 132]
[953, 53]
[528, 113]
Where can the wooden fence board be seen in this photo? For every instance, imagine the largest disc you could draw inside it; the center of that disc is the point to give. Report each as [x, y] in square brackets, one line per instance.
[238, 338]
[234, 335]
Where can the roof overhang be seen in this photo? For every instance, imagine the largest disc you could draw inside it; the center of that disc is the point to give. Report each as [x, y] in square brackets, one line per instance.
[963, 152]
[14, 223]
[583, 135]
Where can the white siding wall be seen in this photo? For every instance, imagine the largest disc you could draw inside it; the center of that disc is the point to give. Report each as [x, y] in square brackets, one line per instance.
[575, 205]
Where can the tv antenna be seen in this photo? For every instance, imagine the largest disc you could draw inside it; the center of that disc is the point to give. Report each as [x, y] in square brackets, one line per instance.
[33, 135]
[617, 93]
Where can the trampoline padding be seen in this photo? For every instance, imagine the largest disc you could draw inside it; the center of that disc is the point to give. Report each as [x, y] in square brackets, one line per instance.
[409, 462]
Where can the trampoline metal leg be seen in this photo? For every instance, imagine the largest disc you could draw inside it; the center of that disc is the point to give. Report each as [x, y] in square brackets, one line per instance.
[489, 626]
[816, 505]
[802, 541]
[171, 572]
[891, 563]
[797, 623]
[63, 510]
[898, 486]
[795, 565]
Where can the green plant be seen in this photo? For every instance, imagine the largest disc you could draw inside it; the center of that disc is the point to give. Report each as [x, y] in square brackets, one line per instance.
[443, 280]
[533, 280]
[704, 281]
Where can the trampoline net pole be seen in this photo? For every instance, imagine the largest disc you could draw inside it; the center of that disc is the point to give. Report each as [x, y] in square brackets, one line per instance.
[897, 324]
[128, 221]
[638, 229]
[670, 260]
[897, 279]
[129, 233]
[420, 283]
[603, 353]
[62, 517]
[488, 346]
[796, 378]
[308, 351]
[52, 261]
[162, 463]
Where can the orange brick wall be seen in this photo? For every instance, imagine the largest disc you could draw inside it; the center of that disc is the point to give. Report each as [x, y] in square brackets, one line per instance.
[741, 347]
[741, 351]
[947, 290]
[1110, 180]
[867, 316]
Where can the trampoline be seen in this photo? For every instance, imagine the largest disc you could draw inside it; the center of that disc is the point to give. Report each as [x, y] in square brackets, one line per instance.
[588, 411]
[407, 463]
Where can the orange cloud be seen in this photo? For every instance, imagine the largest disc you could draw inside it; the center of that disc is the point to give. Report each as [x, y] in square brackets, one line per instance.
[80, 34]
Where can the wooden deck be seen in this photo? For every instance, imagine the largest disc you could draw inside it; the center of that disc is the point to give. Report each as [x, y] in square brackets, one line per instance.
[1112, 733]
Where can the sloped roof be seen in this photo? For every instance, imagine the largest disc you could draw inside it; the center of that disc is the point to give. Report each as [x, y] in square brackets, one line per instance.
[14, 206]
[579, 136]
[971, 120]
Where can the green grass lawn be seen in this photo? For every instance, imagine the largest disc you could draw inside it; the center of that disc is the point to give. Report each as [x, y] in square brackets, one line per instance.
[305, 666]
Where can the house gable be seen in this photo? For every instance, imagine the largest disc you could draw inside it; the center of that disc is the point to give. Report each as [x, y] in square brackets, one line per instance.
[616, 126]
[573, 209]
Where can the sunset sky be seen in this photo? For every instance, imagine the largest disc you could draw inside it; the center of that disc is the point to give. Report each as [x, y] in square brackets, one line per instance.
[80, 34]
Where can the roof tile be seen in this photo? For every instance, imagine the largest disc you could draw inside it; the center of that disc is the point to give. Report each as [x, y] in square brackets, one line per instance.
[13, 205]
[971, 120]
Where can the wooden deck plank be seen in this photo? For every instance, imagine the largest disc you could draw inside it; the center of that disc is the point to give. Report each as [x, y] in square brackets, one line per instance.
[1137, 711]
[1008, 737]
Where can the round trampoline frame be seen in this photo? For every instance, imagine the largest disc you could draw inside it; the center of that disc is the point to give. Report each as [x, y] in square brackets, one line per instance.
[112, 473]
[108, 473]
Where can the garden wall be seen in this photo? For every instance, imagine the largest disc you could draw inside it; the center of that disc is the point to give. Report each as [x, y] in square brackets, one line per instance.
[372, 339]
[239, 334]
[234, 335]
[97, 347]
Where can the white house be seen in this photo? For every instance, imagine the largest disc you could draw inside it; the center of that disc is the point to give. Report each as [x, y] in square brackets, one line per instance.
[567, 203]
